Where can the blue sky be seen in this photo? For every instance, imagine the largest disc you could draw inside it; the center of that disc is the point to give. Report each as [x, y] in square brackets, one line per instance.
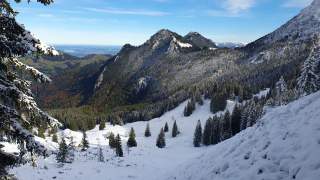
[116, 22]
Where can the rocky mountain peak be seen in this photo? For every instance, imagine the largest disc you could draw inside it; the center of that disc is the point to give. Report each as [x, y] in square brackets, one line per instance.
[199, 40]
[163, 34]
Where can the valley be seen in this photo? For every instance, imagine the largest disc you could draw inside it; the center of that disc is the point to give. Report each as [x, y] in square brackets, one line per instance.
[174, 107]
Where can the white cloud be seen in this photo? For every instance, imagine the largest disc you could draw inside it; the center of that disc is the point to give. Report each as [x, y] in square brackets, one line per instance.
[237, 6]
[128, 11]
[297, 3]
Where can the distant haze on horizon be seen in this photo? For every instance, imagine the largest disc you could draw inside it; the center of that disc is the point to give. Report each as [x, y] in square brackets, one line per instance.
[118, 22]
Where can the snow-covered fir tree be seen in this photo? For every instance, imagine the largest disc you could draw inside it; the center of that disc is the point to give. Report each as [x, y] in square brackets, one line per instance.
[118, 144]
[236, 119]
[166, 127]
[190, 107]
[207, 133]
[161, 141]
[197, 135]
[308, 81]
[112, 140]
[17, 106]
[175, 130]
[147, 132]
[132, 139]
[225, 129]
[71, 151]
[215, 132]
[63, 152]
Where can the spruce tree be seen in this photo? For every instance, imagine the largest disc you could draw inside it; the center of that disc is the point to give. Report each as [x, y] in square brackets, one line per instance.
[112, 141]
[102, 125]
[161, 141]
[166, 127]
[188, 110]
[71, 150]
[308, 81]
[226, 132]
[132, 139]
[147, 132]
[55, 138]
[63, 152]
[197, 135]
[175, 130]
[218, 102]
[207, 133]
[215, 133]
[17, 104]
[84, 141]
[236, 119]
[119, 151]
[100, 155]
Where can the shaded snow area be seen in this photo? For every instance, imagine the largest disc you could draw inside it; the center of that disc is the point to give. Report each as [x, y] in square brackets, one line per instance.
[285, 144]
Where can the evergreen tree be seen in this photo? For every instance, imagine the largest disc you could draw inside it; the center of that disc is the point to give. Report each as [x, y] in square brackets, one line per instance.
[207, 133]
[215, 133]
[100, 155]
[17, 105]
[280, 92]
[84, 141]
[226, 126]
[191, 106]
[132, 139]
[197, 97]
[197, 135]
[147, 132]
[118, 144]
[161, 141]
[308, 81]
[245, 117]
[218, 102]
[166, 127]
[175, 130]
[102, 125]
[63, 152]
[112, 141]
[41, 131]
[236, 119]
[55, 138]
[71, 150]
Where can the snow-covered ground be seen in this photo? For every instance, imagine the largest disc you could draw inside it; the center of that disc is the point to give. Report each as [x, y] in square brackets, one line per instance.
[283, 145]
[143, 162]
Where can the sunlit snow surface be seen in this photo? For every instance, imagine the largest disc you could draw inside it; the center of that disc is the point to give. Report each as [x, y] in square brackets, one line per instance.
[284, 144]
[144, 162]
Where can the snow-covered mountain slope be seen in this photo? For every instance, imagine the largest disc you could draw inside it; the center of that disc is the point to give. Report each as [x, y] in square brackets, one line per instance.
[302, 27]
[285, 144]
[143, 162]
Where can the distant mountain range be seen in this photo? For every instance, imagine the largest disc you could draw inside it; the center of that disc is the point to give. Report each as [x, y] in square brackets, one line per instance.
[84, 50]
